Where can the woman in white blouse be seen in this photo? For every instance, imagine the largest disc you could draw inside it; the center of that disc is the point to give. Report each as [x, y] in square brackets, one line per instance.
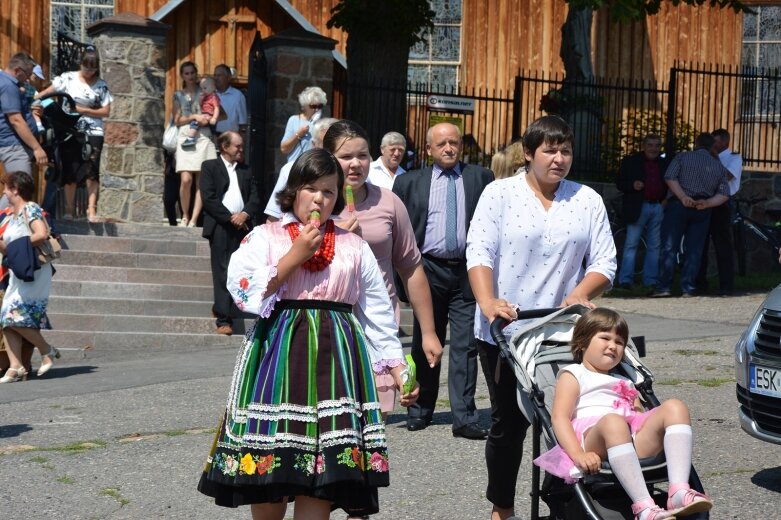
[536, 240]
[93, 100]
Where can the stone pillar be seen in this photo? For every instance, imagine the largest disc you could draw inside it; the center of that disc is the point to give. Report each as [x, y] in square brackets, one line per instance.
[296, 59]
[133, 63]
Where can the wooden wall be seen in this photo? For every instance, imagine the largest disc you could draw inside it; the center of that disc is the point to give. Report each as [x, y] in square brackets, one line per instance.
[24, 27]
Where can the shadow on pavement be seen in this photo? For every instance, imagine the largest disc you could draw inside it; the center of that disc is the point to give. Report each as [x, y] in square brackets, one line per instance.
[14, 430]
[769, 479]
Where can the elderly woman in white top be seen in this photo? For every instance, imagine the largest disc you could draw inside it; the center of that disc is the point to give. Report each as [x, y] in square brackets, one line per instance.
[536, 240]
[298, 138]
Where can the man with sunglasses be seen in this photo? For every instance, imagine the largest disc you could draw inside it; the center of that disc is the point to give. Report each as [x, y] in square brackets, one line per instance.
[17, 126]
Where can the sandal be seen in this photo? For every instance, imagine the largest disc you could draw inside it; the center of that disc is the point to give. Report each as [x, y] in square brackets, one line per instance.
[45, 367]
[92, 215]
[690, 501]
[20, 374]
[654, 511]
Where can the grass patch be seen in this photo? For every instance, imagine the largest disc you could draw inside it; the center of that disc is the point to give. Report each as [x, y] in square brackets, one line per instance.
[175, 433]
[39, 459]
[714, 382]
[443, 403]
[115, 494]
[55, 406]
[65, 479]
[50, 467]
[693, 352]
[77, 447]
[670, 382]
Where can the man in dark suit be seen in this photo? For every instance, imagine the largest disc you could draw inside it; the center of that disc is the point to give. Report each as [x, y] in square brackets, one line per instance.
[641, 179]
[230, 201]
[440, 201]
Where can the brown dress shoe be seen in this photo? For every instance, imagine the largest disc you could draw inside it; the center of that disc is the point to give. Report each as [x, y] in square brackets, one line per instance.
[225, 329]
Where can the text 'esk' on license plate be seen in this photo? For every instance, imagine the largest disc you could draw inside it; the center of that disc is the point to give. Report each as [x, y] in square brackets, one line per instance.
[765, 381]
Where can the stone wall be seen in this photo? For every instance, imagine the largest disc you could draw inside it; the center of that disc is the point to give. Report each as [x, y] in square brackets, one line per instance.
[133, 63]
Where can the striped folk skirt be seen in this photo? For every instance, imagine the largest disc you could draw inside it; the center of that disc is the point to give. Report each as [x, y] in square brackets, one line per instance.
[303, 417]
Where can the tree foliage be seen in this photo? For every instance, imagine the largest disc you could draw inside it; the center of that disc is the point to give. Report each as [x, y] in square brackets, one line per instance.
[379, 36]
[634, 10]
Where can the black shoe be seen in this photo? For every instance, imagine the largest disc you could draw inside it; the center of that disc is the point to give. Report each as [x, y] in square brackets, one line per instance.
[660, 294]
[417, 423]
[470, 431]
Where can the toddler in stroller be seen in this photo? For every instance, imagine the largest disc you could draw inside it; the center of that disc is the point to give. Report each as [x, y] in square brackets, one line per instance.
[597, 414]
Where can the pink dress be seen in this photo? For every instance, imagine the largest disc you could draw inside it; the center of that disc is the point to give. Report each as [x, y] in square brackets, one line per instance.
[386, 227]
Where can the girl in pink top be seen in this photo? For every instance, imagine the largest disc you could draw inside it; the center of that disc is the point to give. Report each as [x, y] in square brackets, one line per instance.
[303, 418]
[597, 415]
[380, 217]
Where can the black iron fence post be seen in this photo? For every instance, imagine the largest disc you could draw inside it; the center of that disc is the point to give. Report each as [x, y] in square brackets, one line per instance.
[517, 100]
[669, 144]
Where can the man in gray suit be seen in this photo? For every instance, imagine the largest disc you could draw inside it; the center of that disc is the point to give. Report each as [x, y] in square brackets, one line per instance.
[230, 202]
[440, 201]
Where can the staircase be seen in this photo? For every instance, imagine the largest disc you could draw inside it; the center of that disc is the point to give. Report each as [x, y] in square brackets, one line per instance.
[133, 287]
[140, 288]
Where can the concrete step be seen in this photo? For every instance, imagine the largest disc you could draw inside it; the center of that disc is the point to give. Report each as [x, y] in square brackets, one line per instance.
[121, 229]
[137, 342]
[126, 306]
[130, 291]
[137, 324]
[191, 247]
[140, 260]
[132, 275]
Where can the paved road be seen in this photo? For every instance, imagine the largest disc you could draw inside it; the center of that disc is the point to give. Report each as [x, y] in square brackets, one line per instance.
[124, 435]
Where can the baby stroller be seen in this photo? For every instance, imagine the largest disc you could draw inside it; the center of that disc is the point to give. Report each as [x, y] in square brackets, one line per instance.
[537, 350]
[62, 138]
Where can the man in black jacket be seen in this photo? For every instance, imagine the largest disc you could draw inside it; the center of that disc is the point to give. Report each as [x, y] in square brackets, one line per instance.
[641, 179]
[440, 201]
[230, 202]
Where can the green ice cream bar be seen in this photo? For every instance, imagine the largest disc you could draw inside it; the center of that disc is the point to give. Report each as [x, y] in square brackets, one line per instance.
[408, 376]
[314, 218]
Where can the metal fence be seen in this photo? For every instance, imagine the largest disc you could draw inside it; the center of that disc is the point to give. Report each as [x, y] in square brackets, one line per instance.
[609, 116]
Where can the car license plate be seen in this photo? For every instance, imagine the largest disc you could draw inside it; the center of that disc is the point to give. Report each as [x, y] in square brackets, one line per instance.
[765, 381]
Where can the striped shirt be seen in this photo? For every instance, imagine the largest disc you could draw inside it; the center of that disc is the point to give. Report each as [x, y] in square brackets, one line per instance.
[434, 243]
[700, 175]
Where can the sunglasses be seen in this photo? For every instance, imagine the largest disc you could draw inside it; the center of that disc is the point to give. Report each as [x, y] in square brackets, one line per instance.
[316, 107]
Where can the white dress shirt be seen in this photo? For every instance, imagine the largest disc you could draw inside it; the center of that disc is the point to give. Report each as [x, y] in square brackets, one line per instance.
[232, 198]
[538, 256]
[380, 176]
[734, 163]
[272, 208]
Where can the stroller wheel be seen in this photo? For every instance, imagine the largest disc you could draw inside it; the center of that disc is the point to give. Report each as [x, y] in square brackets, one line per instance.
[86, 151]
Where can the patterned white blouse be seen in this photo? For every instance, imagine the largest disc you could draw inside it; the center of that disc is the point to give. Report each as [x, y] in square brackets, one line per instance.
[538, 256]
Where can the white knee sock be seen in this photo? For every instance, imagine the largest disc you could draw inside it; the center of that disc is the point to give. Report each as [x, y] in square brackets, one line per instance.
[678, 452]
[626, 467]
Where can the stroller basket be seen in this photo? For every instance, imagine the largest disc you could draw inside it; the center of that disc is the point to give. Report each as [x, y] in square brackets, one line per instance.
[536, 352]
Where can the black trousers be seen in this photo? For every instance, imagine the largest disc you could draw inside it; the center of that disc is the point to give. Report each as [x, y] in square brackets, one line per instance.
[504, 446]
[170, 188]
[222, 244]
[446, 280]
[721, 235]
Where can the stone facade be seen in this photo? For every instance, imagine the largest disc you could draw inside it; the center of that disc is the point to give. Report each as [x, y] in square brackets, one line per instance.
[296, 59]
[133, 63]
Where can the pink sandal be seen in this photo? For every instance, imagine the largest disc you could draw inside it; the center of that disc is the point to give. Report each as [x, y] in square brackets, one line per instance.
[692, 502]
[655, 513]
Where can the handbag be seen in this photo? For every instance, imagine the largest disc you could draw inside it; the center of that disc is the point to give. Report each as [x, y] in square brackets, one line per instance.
[170, 136]
[50, 248]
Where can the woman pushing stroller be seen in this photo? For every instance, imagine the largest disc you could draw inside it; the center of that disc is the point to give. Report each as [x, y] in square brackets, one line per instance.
[597, 415]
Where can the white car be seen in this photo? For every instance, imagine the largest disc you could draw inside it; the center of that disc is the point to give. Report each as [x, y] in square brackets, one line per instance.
[758, 372]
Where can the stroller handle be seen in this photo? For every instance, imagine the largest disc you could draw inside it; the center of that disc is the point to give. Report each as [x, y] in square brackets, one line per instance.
[500, 323]
[62, 95]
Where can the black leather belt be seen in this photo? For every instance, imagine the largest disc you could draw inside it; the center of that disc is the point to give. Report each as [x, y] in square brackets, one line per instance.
[452, 262]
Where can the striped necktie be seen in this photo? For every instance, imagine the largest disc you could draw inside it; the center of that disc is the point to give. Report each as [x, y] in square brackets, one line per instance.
[451, 214]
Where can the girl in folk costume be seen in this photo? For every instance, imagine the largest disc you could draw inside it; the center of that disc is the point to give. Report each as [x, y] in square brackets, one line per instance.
[303, 418]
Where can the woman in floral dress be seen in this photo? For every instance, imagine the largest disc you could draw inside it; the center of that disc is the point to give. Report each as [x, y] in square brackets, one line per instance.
[303, 418]
[23, 313]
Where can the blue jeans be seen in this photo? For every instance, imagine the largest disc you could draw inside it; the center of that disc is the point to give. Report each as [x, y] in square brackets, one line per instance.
[649, 224]
[692, 225]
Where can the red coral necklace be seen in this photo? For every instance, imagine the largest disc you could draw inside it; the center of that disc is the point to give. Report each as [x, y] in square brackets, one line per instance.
[324, 254]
